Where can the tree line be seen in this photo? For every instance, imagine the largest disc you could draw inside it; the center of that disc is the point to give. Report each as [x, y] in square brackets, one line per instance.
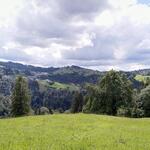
[112, 95]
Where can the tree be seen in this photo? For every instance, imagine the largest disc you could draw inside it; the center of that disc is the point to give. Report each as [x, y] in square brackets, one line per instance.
[142, 104]
[20, 98]
[77, 103]
[94, 100]
[5, 104]
[147, 81]
[114, 91]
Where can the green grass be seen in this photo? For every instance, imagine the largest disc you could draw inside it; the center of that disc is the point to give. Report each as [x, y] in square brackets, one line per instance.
[142, 78]
[74, 132]
[56, 85]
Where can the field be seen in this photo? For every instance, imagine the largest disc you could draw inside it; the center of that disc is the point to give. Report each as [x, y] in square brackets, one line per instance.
[142, 78]
[56, 85]
[74, 132]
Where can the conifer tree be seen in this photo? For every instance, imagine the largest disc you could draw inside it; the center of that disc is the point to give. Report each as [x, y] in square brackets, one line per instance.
[77, 103]
[20, 98]
[113, 92]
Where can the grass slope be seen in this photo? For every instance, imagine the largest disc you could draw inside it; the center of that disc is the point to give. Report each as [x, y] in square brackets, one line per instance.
[142, 78]
[56, 85]
[74, 132]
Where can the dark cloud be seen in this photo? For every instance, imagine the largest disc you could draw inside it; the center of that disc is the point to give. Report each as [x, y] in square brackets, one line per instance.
[14, 55]
[81, 9]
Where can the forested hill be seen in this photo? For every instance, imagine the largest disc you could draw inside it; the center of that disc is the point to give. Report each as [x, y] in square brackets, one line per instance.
[69, 74]
[50, 87]
[55, 87]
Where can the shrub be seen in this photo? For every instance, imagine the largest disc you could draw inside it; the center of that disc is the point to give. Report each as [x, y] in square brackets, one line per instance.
[141, 106]
[67, 111]
[137, 113]
[44, 111]
[124, 112]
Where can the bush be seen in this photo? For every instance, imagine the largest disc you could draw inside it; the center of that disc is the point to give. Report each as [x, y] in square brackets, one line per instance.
[5, 106]
[124, 112]
[137, 113]
[31, 113]
[67, 111]
[141, 106]
[58, 111]
[42, 111]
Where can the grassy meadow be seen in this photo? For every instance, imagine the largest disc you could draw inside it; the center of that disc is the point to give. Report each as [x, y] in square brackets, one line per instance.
[74, 132]
[56, 85]
[142, 78]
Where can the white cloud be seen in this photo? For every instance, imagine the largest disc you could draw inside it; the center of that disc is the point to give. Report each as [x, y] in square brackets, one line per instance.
[122, 4]
[95, 34]
[105, 19]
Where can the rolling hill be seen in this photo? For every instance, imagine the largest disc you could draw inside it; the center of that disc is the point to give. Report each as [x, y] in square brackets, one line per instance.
[74, 132]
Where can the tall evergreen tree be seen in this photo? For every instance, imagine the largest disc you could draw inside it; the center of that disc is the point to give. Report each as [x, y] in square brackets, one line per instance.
[118, 91]
[113, 92]
[77, 103]
[20, 98]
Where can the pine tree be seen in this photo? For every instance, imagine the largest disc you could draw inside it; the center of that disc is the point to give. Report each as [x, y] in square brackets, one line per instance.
[20, 98]
[114, 91]
[77, 103]
[118, 91]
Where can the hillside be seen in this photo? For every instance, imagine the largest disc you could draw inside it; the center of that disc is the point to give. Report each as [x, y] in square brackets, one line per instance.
[54, 87]
[51, 87]
[69, 74]
[66, 132]
[142, 78]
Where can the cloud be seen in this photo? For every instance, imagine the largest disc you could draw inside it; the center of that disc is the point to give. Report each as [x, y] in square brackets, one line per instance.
[95, 34]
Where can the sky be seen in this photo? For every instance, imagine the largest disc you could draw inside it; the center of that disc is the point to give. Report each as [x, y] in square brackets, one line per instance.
[95, 34]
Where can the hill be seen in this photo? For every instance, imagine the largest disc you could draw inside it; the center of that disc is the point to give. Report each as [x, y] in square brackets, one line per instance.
[50, 87]
[54, 87]
[69, 74]
[66, 132]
